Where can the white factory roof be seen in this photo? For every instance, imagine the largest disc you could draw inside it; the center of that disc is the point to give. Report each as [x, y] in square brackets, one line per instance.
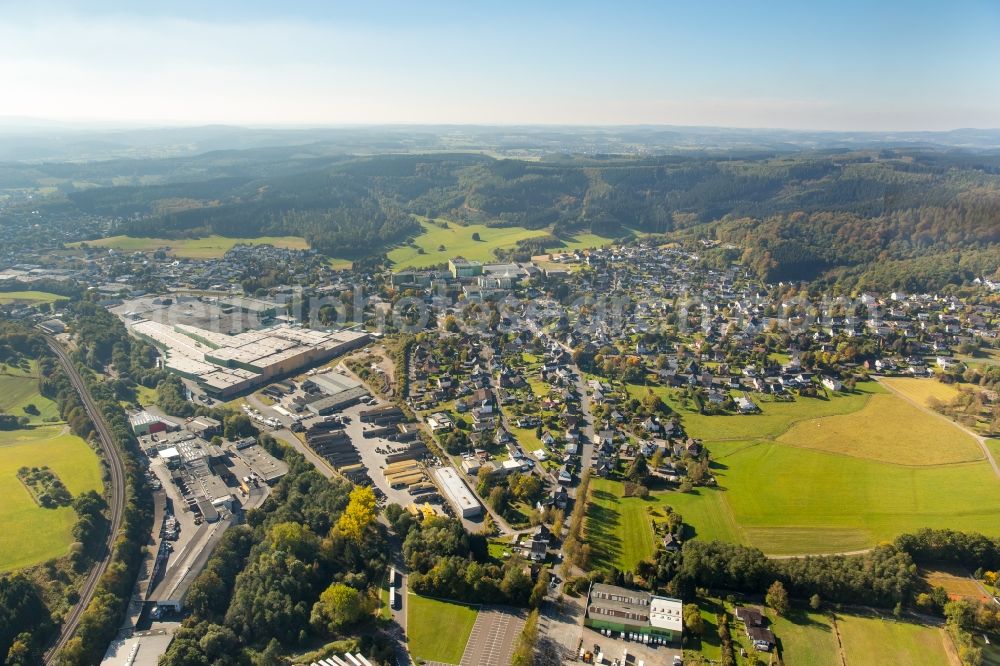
[456, 489]
[666, 613]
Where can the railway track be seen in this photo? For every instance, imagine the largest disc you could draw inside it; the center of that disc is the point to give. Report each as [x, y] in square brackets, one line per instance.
[116, 499]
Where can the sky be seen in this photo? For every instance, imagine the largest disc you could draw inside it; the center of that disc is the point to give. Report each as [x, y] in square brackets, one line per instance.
[844, 65]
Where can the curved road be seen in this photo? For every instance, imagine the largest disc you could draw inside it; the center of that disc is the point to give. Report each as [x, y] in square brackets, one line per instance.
[116, 469]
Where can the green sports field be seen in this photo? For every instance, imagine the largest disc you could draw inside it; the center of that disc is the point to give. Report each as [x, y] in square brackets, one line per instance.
[438, 630]
[29, 297]
[30, 534]
[457, 241]
[208, 247]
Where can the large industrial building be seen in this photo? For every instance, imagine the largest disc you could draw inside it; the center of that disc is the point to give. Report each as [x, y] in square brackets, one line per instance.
[457, 492]
[621, 609]
[225, 365]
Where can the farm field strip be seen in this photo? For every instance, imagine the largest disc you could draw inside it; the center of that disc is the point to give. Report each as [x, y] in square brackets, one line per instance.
[207, 247]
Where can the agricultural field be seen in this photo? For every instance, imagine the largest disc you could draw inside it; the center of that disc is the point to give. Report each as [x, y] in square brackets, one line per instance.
[957, 583]
[457, 241]
[19, 389]
[208, 247]
[790, 500]
[29, 297]
[620, 529]
[438, 630]
[835, 475]
[890, 430]
[921, 390]
[872, 641]
[30, 533]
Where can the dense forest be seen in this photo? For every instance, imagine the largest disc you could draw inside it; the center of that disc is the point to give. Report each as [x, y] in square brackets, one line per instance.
[927, 215]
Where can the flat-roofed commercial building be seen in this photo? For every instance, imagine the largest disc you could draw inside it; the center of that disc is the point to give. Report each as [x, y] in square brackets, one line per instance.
[621, 609]
[226, 365]
[457, 492]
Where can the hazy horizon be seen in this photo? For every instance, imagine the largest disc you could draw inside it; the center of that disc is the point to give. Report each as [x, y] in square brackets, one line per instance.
[844, 66]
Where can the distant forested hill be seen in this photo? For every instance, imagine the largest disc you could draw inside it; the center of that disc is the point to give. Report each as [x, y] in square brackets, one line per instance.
[797, 215]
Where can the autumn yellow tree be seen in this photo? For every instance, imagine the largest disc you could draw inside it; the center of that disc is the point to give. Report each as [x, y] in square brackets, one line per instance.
[359, 514]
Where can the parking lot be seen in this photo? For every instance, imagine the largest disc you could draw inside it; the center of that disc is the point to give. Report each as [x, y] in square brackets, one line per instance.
[494, 636]
[628, 651]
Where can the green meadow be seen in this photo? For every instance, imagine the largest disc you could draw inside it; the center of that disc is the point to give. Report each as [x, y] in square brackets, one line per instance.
[834, 475]
[458, 242]
[29, 297]
[31, 534]
[620, 529]
[207, 247]
[872, 641]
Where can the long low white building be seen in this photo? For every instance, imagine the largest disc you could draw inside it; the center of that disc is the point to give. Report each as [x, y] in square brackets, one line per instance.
[225, 365]
[457, 492]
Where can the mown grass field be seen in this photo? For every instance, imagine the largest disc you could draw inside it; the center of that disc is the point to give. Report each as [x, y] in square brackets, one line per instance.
[921, 390]
[30, 534]
[806, 639]
[790, 500]
[871, 642]
[438, 630]
[208, 247]
[457, 241]
[29, 297]
[620, 529]
[890, 430]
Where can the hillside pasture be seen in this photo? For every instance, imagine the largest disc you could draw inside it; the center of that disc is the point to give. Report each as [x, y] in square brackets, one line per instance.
[921, 391]
[458, 242]
[29, 297]
[207, 247]
[31, 534]
[18, 389]
[775, 417]
[887, 429]
[793, 500]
